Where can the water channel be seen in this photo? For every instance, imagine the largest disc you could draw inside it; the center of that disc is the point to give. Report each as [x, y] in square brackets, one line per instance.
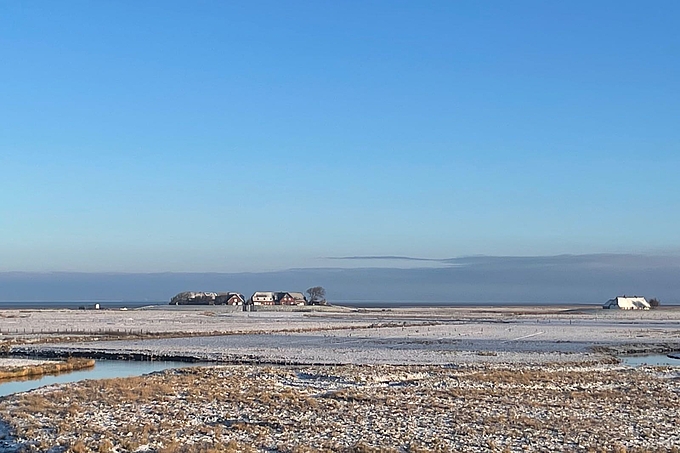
[103, 369]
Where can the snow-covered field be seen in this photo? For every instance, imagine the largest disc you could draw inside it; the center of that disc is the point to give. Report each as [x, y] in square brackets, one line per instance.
[521, 379]
[378, 408]
[396, 336]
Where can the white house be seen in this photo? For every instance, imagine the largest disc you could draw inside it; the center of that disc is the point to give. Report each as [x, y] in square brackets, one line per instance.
[628, 303]
[263, 298]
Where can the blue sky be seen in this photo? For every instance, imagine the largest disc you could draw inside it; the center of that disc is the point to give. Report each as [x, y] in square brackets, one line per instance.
[252, 136]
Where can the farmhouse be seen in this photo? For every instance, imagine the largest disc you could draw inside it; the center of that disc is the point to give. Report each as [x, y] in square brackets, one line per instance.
[628, 303]
[229, 299]
[263, 298]
[290, 298]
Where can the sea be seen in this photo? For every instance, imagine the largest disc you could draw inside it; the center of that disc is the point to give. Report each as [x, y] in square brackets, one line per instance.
[119, 304]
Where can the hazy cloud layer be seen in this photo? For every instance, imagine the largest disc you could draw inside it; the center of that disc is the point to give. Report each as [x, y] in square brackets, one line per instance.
[550, 279]
[383, 258]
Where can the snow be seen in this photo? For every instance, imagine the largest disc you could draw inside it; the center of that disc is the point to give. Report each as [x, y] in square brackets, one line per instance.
[397, 336]
[6, 362]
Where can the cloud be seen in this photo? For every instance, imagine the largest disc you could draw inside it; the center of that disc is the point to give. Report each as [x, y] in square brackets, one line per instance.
[602, 260]
[383, 257]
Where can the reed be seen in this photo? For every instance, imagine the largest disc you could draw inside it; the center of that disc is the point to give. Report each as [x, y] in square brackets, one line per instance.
[45, 368]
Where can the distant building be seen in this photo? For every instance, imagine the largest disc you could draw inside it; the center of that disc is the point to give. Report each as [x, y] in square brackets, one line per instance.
[263, 298]
[277, 298]
[229, 299]
[628, 303]
[290, 298]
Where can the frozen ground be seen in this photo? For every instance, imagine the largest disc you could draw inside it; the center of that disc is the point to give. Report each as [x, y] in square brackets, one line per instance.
[378, 408]
[6, 362]
[396, 336]
[502, 385]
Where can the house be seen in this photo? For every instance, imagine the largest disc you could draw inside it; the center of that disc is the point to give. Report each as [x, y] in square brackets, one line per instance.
[229, 299]
[628, 303]
[290, 298]
[263, 298]
[300, 298]
[236, 299]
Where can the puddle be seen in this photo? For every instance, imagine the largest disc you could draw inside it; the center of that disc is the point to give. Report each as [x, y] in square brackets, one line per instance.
[652, 359]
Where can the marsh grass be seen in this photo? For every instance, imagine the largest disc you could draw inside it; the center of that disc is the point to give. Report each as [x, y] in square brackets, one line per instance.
[354, 409]
[71, 364]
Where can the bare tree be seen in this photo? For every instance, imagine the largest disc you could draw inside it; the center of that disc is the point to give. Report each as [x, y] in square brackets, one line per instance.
[654, 302]
[317, 295]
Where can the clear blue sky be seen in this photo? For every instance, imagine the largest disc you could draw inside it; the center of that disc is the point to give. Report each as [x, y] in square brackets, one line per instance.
[245, 136]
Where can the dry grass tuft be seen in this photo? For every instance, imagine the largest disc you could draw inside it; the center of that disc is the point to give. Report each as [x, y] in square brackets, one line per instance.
[71, 364]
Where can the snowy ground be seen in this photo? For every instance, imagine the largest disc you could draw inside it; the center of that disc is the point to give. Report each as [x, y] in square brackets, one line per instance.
[396, 336]
[378, 408]
[6, 362]
[502, 385]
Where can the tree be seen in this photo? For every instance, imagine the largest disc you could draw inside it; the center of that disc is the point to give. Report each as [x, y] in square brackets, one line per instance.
[654, 302]
[317, 295]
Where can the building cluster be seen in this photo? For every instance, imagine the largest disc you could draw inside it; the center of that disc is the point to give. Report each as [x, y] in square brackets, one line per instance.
[232, 298]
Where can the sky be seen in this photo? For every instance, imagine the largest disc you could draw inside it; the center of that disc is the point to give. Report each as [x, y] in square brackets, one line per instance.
[259, 136]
